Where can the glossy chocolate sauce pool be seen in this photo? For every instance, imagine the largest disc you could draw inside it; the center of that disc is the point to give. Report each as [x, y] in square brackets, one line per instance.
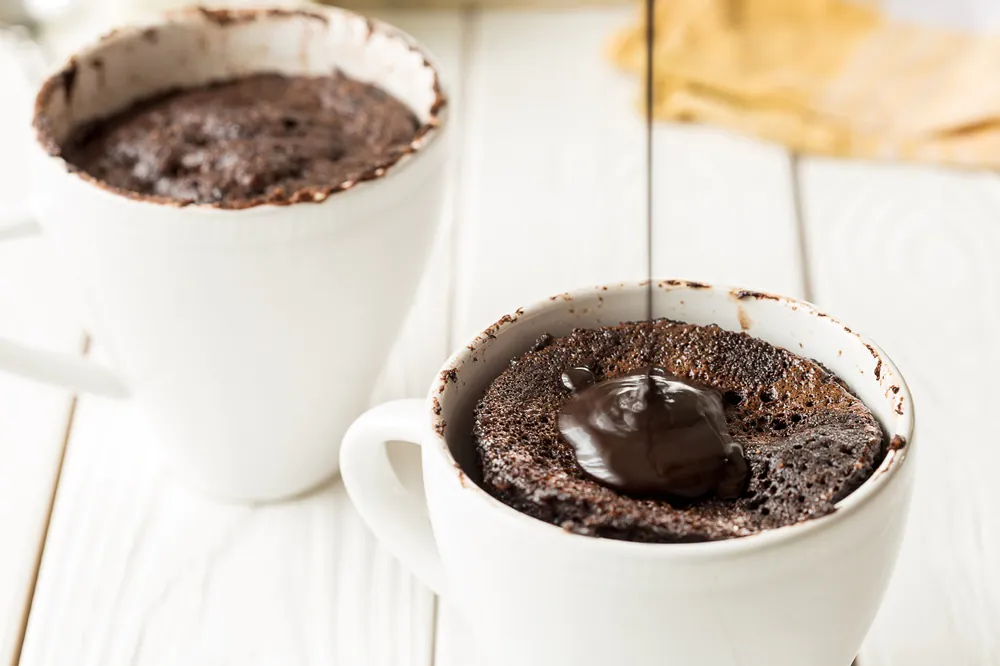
[652, 434]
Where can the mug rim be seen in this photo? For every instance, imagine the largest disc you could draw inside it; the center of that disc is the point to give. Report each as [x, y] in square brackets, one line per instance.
[427, 134]
[886, 473]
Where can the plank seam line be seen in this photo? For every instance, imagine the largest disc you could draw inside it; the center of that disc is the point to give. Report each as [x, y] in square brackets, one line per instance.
[795, 164]
[435, 616]
[26, 615]
[470, 19]
[470, 30]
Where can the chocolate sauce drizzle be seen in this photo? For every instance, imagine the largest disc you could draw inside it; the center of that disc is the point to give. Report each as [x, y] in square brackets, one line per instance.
[651, 433]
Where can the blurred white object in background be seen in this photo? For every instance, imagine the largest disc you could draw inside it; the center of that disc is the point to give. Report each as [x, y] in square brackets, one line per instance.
[963, 15]
[13, 11]
[44, 10]
[25, 12]
[132, 10]
[969, 15]
[123, 11]
[21, 67]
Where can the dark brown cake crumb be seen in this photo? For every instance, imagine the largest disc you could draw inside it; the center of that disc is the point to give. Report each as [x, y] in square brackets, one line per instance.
[808, 440]
[264, 138]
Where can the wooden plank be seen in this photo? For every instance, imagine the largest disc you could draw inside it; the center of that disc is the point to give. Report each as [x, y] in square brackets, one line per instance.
[723, 210]
[138, 570]
[553, 191]
[908, 255]
[553, 188]
[33, 424]
[33, 418]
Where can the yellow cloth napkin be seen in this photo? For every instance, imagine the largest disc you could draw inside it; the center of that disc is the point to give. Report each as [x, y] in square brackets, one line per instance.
[824, 76]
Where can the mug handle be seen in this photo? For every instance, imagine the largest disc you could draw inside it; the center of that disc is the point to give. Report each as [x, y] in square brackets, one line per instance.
[66, 370]
[396, 515]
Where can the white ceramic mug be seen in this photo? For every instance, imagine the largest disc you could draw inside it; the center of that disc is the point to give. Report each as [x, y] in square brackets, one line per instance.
[248, 338]
[535, 595]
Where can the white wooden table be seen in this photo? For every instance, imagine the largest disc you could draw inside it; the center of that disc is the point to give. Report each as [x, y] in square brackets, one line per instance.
[105, 561]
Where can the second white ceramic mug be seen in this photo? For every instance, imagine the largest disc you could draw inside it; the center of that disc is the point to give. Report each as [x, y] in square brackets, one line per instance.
[535, 595]
[248, 338]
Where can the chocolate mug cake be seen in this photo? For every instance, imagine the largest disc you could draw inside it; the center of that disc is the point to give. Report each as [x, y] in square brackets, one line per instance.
[559, 423]
[660, 431]
[261, 138]
[232, 189]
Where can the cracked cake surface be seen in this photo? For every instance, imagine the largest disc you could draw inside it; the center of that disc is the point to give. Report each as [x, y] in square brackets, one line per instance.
[809, 441]
[262, 138]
